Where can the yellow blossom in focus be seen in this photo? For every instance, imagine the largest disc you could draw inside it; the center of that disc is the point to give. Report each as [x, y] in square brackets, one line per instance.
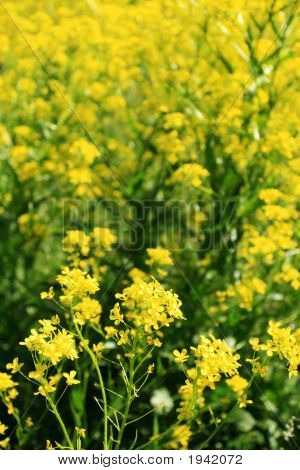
[285, 343]
[123, 337]
[48, 295]
[150, 305]
[14, 366]
[180, 356]
[76, 284]
[70, 378]
[115, 314]
[88, 310]
[38, 373]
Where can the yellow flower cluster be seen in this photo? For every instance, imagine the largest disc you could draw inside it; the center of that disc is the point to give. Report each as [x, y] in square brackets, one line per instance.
[239, 385]
[87, 251]
[51, 343]
[88, 310]
[189, 174]
[6, 382]
[243, 292]
[257, 367]
[75, 285]
[8, 392]
[212, 358]
[158, 258]
[271, 234]
[289, 275]
[94, 94]
[3, 442]
[180, 437]
[284, 342]
[149, 305]
[77, 240]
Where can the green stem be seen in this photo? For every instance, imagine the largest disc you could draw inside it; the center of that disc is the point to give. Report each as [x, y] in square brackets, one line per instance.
[124, 420]
[59, 419]
[129, 391]
[155, 429]
[101, 383]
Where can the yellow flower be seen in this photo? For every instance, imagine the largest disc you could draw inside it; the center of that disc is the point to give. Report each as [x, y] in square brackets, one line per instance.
[258, 368]
[80, 431]
[3, 428]
[12, 393]
[104, 237]
[115, 314]
[110, 332]
[180, 437]
[6, 382]
[157, 343]
[150, 369]
[150, 305]
[48, 386]
[154, 341]
[49, 445]
[76, 284]
[181, 356]
[255, 344]
[237, 383]
[52, 345]
[123, 337]
[97, 348]
[289, 275]
[4, 443]
[15, 366]
[38, 373]
[159, 257]
[74, 239]
[189, 174]
[270, 195]
[284, 343]
[243, 401]
[70, 378]
[135, 274]
[212, 358]
[48, 295]
[88, 310]
[47, 327]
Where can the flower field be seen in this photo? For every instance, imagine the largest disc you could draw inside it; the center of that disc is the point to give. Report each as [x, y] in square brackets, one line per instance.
[149, 211]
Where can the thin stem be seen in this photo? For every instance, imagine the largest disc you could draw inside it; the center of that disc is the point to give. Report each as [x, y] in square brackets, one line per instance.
[155, 429]
[129, 391]
[59, 419]
[124, 420]
[101, 383]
